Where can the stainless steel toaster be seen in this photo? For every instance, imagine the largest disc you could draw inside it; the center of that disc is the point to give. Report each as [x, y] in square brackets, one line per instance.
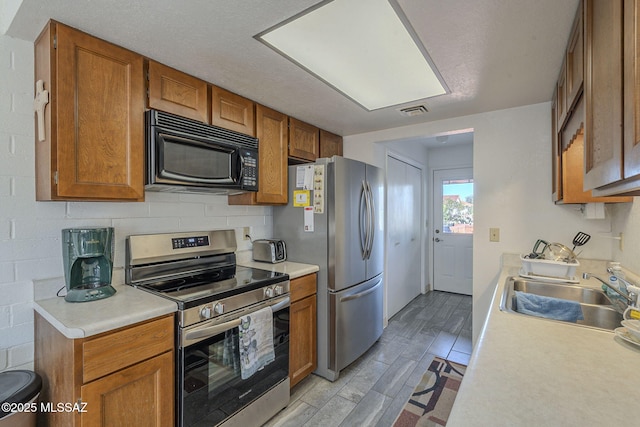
[269, 250]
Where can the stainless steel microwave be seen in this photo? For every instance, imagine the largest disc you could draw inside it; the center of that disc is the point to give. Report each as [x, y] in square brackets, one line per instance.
[184, 155]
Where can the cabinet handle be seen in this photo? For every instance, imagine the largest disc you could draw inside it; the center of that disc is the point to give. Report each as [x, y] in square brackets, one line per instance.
[42, 99]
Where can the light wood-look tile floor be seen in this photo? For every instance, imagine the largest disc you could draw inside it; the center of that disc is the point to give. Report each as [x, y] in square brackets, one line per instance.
[373, 389]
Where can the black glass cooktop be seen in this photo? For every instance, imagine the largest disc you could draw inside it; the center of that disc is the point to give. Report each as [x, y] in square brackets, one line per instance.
[222, 283]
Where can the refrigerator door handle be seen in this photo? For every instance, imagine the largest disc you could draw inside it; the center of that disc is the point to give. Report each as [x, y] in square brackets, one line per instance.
[361, 294]
[367, 199]
[362, 219]
[372, 220]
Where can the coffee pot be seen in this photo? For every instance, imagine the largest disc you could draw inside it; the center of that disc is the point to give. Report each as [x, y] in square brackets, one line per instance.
[88, 263]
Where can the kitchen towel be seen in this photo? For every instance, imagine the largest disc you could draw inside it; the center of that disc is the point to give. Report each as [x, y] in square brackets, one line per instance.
[548, 307]
[256, 341]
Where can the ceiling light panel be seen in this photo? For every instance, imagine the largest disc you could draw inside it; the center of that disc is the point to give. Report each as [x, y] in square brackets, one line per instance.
[362, 49]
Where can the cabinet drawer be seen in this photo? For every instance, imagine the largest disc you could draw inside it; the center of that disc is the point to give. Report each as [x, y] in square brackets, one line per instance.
[303, 287]
[114, 351]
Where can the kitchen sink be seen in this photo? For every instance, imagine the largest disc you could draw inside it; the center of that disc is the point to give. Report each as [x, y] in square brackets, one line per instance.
[597, 309]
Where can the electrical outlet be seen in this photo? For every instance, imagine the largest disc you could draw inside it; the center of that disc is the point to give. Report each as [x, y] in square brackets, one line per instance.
[246, 232]
[494, 234]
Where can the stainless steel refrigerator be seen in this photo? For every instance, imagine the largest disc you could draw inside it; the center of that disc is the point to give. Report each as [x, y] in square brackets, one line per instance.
[335, 219]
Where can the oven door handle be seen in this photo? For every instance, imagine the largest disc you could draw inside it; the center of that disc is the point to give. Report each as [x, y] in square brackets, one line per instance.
[211, 331]
[204, 332]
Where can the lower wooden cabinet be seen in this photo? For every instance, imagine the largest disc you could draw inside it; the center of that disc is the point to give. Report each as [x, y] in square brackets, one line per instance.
[122, 377]
[303, 332]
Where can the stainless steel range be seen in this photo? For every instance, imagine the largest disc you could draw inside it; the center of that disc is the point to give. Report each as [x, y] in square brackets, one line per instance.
[226, 373]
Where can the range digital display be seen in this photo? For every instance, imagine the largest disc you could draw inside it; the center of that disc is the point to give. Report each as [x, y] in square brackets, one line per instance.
[190, 242]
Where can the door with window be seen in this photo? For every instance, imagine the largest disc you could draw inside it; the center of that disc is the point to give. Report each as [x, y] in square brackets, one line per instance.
[453, 230]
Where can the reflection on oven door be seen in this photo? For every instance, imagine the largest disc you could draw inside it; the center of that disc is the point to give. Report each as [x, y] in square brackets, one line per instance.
[212, 388]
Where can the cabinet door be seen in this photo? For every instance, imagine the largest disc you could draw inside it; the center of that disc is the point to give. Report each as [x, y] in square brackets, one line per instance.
[561, 95]
[304, 141]
[272, 131]
[603, 89]
[232, 111]
[176, 92]
[100, 122]
[330, 144]
[556, 155]
[141, 395]
[632, 88]
[302, 342]
[575, 61]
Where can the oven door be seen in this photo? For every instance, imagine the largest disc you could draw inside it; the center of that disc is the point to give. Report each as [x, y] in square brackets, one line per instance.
[210, 386]
[192, 161]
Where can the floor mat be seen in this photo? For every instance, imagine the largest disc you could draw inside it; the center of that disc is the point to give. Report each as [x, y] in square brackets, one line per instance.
[431, 401]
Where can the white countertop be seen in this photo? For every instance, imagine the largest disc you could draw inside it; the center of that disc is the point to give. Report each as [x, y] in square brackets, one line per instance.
[129, 305]
[526, 371]
[293, 269]
[126, 307]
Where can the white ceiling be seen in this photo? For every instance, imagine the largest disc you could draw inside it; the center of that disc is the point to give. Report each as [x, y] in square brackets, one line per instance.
[492, 54]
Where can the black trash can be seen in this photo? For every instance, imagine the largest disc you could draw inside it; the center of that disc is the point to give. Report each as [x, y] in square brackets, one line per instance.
[19, 391]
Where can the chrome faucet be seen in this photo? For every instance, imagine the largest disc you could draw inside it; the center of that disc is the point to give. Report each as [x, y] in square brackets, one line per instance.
[622, 281]
[630, 299]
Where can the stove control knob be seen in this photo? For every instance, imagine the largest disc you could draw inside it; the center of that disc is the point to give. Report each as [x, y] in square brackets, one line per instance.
[219, 308]
[268, 292]
[278, 290]
[205, 313]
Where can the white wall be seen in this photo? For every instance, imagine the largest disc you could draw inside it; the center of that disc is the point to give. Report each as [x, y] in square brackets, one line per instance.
[30, 248]
[626, 220]
[512, 174]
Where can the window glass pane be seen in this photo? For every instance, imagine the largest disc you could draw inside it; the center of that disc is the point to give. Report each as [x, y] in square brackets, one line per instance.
[457, 206]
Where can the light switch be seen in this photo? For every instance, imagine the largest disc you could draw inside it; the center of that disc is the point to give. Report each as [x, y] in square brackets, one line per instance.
[494, 234]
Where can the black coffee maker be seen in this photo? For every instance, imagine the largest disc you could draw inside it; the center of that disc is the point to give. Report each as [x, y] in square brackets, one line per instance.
[88, 263]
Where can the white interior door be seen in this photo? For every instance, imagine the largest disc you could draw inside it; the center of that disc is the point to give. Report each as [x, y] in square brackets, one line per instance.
[453, 230]
[404, 231]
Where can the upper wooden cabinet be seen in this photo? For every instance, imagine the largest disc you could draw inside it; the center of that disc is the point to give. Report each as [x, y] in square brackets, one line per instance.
[603, 81]
[273, 134]
[556, 154]
[632, 89]
[561, 95]
[574, 61]
[330, 144]
[232, 111]
[92, 144]
[613, 148]
[579, 129]
[176, 92]
[304, 140]
[572, 160]
[570, 80]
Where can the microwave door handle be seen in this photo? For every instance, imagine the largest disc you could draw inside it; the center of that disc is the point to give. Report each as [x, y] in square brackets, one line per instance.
[241, 166]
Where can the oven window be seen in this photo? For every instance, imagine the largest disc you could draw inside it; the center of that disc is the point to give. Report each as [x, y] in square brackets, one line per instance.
[191, 160]
[211, 385]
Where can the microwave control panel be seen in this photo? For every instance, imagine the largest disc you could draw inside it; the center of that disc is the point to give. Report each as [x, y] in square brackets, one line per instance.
[250, 170]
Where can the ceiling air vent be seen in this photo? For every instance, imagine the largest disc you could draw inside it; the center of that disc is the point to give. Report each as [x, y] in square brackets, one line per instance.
[416, 110]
